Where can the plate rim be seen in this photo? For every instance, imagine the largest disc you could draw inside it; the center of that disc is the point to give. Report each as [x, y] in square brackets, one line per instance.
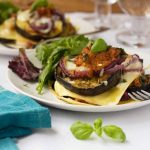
[81, 108]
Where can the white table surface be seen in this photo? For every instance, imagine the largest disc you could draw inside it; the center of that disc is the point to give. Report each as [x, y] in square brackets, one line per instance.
[135, 123]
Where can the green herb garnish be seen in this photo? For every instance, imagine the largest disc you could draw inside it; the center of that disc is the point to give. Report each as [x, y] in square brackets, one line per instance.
[98, 126]
[6, 10]
[83, 131]
[98, 46]
[40, 3]
[114, 132]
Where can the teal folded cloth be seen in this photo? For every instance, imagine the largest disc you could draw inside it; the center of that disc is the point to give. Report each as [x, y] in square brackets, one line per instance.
[19, 114]
[8, 144]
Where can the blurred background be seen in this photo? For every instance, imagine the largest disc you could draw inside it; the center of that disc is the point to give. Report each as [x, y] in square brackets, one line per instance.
[69, 5]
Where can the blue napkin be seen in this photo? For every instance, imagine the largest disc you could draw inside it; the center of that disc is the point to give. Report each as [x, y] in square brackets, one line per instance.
[8, 144]
[18, 115]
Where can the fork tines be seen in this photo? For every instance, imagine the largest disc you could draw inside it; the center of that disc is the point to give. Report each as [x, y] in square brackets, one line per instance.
[140, 95]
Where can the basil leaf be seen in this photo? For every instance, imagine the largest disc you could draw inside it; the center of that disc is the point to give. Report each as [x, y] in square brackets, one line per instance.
[39, 3]
[98, 126]
[114, 132]
[6, 10]
[81, 130]
[98, 123]
[99, 132]
[98, 46]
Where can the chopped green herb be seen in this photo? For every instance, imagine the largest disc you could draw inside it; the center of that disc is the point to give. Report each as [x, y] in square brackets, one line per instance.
[123, 81]
[26, 85]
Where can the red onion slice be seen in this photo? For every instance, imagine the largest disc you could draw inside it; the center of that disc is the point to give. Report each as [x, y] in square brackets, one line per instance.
[43, 25]
[124, 65]
[73, 73]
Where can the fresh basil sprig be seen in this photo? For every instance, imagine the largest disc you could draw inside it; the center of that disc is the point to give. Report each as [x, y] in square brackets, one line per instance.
[83, 131]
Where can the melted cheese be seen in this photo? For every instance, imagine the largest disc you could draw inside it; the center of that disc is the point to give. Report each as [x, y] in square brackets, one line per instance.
[7, 30]
[72, 66]
[111, 97]
[23, 15]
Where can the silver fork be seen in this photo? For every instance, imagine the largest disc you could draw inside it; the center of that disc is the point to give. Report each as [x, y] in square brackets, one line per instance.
[140, 95]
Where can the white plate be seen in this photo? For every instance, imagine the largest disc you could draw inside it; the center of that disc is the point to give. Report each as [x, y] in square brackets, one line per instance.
[49, 99]
[83, 26]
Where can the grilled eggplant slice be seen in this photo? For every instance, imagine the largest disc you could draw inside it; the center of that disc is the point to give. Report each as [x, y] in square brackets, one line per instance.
[88, 87]
[12, 43]
[28, 28]
[27, 34]
[7, 41]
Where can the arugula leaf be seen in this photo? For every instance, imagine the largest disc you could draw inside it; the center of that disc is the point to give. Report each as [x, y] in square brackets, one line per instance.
[43, 51]
[6, 10]
[98, 126]
[98, 46]
[76, 44]
[81, 130]
[114, 132]
[48, 71]
[39, 3]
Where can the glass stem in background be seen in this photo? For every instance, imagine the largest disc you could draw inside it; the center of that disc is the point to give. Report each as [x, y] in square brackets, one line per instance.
[102, 13]
[138, 33]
